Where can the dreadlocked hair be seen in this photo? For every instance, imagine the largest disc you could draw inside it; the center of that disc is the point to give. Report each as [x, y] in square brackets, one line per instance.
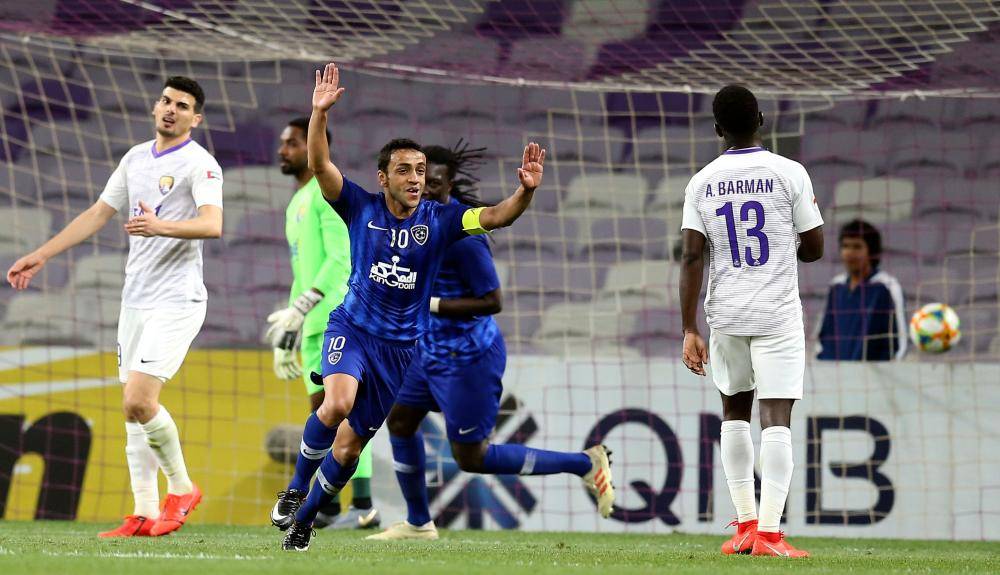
[461, 160]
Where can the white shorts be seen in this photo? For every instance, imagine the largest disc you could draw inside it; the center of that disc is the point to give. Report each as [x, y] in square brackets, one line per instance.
[155, 341]
[774, 365]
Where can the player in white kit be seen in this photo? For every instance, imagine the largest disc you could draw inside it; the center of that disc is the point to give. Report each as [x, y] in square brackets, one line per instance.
[171, 190]
[758, 214]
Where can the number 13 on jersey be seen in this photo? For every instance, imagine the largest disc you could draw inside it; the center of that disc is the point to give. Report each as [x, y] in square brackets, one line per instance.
[756, 232]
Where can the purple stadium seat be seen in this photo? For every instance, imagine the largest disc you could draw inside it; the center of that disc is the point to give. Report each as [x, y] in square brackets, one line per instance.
[245, 144]
[849, 115]
[612, 240]
[55, 99]
[260, 227]
[552, 282]
[231, 321]
[536, 237]
[912, 111]
[15, 126]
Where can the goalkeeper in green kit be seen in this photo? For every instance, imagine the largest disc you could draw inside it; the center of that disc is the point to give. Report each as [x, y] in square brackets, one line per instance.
[321, 264]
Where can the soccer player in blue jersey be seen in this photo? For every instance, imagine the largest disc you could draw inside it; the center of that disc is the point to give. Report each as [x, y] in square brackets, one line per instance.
[397, 246]
[458, 367]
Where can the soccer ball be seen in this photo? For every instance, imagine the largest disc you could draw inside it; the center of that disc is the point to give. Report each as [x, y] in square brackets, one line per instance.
[934, 328]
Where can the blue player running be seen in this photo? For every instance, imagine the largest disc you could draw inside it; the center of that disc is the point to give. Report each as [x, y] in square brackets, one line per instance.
[397, 245]
[458, 367]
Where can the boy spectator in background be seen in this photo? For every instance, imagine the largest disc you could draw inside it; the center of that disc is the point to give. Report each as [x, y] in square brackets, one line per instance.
[864, 308]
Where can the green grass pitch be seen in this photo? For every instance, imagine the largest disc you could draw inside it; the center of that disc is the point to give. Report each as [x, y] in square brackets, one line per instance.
[57, 548]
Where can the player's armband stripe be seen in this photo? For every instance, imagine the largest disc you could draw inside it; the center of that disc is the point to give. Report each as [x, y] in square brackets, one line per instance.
[471, 224]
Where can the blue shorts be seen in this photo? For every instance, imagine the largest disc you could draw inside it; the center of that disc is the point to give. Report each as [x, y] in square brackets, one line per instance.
[378, 364]
[468, 395]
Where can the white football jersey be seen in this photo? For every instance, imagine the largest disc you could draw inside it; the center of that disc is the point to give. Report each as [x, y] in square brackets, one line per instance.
[751, 205]
[164, 271]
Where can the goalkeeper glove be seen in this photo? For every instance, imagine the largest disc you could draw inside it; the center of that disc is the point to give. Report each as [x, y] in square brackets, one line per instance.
[283, 332]
[286, 364]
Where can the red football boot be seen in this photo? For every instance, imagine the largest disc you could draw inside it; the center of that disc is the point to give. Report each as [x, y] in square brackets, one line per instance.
[742, 541]
[133, 526]
[775, 545]
[175, 512]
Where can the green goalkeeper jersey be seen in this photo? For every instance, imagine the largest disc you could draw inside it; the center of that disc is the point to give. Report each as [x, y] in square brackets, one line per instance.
[321, 253]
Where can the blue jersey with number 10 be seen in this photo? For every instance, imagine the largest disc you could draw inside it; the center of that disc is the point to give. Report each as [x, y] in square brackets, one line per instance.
[393, 261]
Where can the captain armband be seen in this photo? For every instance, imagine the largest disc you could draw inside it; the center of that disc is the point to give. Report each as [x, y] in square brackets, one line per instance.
[471, 224]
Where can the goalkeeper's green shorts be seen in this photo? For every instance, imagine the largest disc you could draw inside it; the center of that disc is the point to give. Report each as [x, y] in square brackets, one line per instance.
[312, 360]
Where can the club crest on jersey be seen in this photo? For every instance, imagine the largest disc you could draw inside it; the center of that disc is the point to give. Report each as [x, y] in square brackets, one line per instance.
[393, 275]
[420, 233]
[334, 357]
[166, 184]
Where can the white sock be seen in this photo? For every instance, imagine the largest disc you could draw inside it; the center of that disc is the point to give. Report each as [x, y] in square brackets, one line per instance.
[163, 439]
[776, 475]
[142, 468]
[737, 461]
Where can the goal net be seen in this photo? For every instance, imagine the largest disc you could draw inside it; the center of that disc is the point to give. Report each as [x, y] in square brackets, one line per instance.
[892, 107]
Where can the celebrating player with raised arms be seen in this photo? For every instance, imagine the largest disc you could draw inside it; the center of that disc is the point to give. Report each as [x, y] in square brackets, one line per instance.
[758, 214]
[321, 263]
[458, 367]
[397, 246]
[171, 190]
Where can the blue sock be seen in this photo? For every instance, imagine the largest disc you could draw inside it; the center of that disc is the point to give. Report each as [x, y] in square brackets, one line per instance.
[316, 442]
[332, 477]
[410, 463]
[511, 458]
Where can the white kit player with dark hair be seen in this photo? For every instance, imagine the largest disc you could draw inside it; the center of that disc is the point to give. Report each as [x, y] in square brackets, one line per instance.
[758, 214]
[171, 189]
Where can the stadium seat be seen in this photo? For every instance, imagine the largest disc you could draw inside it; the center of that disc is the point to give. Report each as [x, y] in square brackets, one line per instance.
[876, 200]
[536, 237]
[551, 282]
[471, 102]
[606, 194]
[867, 148]
[642, 284]
[97, 315]
[917, 163]
[266, 268]
[59, 325]
[542, 103]
[257, 187]
[574, 327]
[575, 139]
[518, 325]
[83, 140]
[104, 273]
[680, 145]
[668, 195]
[618, 239]
[231, 321]
[912, 111]
[260, 228]
[501, 140]
[23, 229]
[849, 115]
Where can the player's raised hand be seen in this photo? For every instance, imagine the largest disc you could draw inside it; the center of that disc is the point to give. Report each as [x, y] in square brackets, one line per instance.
[530, 172]
[19, 275]
[328, 89]
[695, 355]
[146, 224]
